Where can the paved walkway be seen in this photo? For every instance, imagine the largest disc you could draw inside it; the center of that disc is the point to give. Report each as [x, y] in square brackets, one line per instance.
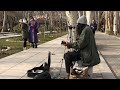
[7, 35]
[15, 66]
[109, 47]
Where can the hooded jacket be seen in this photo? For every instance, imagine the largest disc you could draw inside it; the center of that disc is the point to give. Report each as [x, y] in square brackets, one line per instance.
[87, 47]
[85, 43]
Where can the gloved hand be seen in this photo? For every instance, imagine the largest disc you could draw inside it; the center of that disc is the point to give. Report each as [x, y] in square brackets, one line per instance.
[63, 42]
[66, 44]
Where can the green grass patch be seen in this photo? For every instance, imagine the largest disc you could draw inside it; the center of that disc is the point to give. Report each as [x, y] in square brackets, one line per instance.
[16, 43]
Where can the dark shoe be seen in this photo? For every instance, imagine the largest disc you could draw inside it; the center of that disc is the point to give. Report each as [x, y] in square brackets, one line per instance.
[35, 45]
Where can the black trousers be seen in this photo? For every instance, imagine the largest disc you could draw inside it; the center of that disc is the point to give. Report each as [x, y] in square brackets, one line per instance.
[69, 58]
[25, 42]
[94, 32]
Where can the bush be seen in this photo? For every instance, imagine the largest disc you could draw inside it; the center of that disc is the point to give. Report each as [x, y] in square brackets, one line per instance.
[17, 29]
[41, 29]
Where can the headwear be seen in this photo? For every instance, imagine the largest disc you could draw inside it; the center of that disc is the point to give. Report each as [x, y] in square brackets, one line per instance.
[20, 20]
[82, 20]
[24, 20]
[31, 17]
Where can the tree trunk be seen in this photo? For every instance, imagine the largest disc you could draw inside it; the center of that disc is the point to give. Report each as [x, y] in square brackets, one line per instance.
[80, 13]
[68, 24]
[96, 16]
[116, 23]
[92, 16]
[88, 16]
[110, 22]
[74, 23]
[84, 13]
[28, 16]
[51, 21]
[72, 19]
[106, 22]
[4, 22]
[98, 21]
[119, 23]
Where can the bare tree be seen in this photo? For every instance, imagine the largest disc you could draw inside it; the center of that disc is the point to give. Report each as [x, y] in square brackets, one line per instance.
[116, 22]
[106, 21]
[4, 21]
[109, 22]
[119, 23]
[80, 13]
[98, 20]
[88, 16]
[72, 19]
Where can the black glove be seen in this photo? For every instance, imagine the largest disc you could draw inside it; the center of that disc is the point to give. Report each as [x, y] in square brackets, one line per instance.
[66, 44]
[63, 42]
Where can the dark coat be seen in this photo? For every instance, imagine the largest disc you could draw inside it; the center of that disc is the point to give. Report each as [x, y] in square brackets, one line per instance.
[87, 47]
[93, 26]
[24, 28]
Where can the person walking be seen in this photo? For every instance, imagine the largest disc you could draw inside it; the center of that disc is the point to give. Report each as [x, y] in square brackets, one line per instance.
[93, 26]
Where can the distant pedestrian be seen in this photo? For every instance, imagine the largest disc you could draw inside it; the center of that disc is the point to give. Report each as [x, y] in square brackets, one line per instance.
[33, 30]
[24, 28]
[93, 26]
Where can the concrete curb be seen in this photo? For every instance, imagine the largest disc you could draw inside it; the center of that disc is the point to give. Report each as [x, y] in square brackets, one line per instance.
[9, 36]
[105, 68]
